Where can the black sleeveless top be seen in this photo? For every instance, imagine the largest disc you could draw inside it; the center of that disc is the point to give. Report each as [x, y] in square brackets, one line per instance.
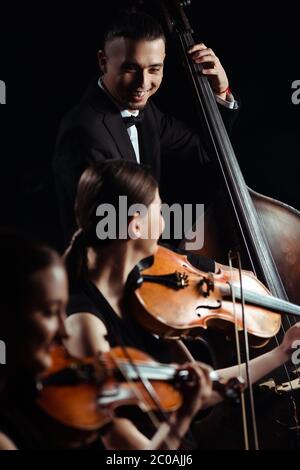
[120, 331]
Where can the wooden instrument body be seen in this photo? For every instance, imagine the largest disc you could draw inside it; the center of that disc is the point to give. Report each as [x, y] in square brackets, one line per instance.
[172, 312]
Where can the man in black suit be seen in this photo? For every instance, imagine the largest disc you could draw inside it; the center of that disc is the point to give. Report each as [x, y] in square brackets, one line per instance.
[116, 119]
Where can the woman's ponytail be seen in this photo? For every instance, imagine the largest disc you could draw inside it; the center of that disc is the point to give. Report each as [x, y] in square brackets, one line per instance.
[75, 258]
[103, 183]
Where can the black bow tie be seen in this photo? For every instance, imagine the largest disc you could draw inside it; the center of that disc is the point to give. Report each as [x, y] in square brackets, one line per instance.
[133, 120]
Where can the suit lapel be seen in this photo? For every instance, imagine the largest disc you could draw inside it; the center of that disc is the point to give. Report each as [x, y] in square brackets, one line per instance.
[115, 126]
[112, 119]
[149, 153]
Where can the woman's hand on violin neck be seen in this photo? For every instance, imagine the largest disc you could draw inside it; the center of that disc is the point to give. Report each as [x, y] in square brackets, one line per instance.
[212, 68]
[291, 342]
[197, 391]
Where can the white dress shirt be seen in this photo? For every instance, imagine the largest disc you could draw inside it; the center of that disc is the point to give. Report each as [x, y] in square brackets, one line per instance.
[133, 133]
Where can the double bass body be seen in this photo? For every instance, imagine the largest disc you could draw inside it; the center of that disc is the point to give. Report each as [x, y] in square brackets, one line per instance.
[281, 226]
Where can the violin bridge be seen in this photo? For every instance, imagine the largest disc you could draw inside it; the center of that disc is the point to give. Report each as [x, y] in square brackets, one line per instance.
[206, 285]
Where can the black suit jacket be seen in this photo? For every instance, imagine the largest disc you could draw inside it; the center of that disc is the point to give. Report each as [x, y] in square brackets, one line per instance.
[94, 131]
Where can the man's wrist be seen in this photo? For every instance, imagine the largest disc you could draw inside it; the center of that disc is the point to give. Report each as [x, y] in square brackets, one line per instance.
[223, 96]
[223, 93]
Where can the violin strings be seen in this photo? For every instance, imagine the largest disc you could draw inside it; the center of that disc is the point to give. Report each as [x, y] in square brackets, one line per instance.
[156, 423]
[152, 394]
[163, 368]
[135, 390]
[119, 340]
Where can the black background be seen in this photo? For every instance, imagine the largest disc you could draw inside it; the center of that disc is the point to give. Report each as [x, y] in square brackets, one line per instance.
[48, 55]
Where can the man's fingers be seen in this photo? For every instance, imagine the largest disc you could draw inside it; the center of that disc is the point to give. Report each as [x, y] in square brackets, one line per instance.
[197, 47]
[203, 52]
[204, 57]
[210, 72]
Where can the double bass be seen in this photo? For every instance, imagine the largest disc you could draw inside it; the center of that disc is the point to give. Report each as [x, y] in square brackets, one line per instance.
[264, 231]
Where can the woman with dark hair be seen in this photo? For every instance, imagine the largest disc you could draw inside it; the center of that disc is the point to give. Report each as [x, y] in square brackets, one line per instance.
[34, 293]
[100, 267]
[34, 297]
[98, 272]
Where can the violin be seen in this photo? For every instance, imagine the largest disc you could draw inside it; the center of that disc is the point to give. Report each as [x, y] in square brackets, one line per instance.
[83, 394]
[172, 298]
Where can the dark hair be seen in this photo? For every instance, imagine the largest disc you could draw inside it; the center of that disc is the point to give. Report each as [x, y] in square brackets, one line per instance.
[20, 258]
[134, 25]
[103, 183]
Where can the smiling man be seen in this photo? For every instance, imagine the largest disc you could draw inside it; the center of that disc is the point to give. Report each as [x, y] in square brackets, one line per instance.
[132, 70]
[116, 118]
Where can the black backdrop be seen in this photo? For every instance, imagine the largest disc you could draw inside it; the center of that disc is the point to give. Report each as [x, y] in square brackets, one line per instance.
[48, 54]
